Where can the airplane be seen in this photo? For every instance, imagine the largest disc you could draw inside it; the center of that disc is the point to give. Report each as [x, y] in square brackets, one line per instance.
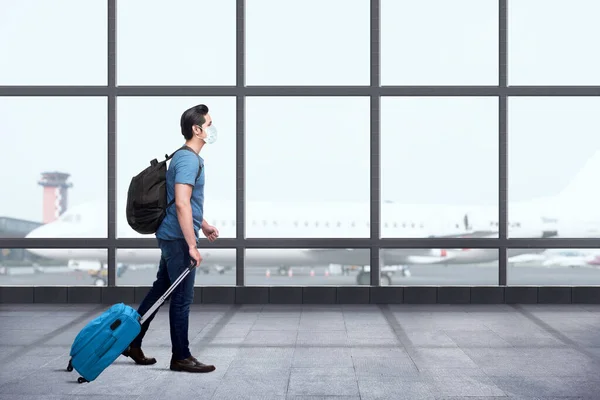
[538, 218]
[571, 258]
[279, 220]
[266, 220]
[573, 213]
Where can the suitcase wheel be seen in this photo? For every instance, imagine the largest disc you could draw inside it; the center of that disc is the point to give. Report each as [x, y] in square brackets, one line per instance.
[82, 379]
[70, 366]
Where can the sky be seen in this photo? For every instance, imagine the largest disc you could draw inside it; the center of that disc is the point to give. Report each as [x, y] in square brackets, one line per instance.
[434, 150]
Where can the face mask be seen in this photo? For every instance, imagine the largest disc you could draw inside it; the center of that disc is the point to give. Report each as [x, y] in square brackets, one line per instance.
[211, 135]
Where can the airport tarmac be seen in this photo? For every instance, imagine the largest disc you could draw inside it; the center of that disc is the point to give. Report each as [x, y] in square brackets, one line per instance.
[420, 275]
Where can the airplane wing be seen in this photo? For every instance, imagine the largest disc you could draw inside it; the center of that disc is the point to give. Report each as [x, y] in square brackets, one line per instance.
[474, 234]
[394, 256]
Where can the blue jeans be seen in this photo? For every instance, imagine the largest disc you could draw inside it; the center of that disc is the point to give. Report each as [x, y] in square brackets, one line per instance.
[175, 257]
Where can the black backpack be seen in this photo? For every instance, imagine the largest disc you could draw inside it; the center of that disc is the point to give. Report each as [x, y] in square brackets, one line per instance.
[147, 196]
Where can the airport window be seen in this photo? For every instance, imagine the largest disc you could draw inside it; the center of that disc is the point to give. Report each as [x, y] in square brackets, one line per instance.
[549, 43]
[150, 56]
[324, 267]
[425, 114]
[77, 160]
[137, 267]
[426, 143]
[421, 45]
[562, 132]
[53, 267]
[137, 147]
[556, 266]
[333, 51]
[43, 31]
[418, 267]
[308, 188]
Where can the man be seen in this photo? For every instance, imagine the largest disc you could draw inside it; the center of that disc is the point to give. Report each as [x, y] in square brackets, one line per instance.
[177, 237]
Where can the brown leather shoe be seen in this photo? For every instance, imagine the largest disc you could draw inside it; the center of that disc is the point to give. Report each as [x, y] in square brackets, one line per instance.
[190, 364]
[138, 356]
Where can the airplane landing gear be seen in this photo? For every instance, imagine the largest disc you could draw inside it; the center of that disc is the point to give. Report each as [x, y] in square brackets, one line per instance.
[405, 272]
[385, 280]
[364, 278]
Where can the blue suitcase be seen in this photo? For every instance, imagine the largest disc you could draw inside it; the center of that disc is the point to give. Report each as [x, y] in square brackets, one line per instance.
[106, 337]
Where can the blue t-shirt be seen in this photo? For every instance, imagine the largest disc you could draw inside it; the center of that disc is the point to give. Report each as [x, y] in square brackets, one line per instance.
[183, 169]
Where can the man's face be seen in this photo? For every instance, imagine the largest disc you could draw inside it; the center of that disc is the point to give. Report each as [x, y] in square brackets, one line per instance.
[201, 133]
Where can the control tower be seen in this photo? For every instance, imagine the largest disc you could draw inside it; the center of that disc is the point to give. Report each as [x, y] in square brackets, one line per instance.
[55, 194]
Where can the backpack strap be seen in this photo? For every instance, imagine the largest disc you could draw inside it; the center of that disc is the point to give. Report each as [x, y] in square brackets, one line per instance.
[185, 147]
[168, 157]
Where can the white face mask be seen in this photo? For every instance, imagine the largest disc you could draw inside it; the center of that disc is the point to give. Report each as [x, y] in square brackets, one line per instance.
[211, 135]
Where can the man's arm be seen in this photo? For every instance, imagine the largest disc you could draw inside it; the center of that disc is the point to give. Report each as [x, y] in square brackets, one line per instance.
[186, 168]
[204, 224]
[183, 193]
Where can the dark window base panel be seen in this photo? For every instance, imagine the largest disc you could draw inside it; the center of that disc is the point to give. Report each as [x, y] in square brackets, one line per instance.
[313, 295]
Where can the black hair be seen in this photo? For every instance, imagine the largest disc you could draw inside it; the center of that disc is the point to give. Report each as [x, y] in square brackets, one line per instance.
[190, 117]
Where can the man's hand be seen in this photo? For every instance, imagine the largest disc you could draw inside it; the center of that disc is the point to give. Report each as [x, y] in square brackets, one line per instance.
[195, 255]
[210, 232]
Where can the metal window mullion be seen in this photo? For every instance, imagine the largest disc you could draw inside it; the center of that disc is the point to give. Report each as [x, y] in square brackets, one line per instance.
[502, 145]
[112, 141]
[375, 159]
[298, 243]
[316, 91]
[240, 155]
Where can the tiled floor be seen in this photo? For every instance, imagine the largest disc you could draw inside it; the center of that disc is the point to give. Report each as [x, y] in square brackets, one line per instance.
[321, 352]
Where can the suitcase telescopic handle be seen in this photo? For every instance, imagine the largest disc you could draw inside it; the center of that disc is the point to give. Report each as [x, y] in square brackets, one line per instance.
[162, 298]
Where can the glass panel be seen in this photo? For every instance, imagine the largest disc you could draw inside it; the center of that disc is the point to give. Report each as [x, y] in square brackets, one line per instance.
[307, 168]
[140, 140]
[554, 166]
[445, 267]
[552, 42]
[187, 42]
[439, 42]
[55, 153]
[53, 267]
[139, 267]
[307, 42]
[439, 167]
[304, 267]
[553, 267]
[53, 42]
